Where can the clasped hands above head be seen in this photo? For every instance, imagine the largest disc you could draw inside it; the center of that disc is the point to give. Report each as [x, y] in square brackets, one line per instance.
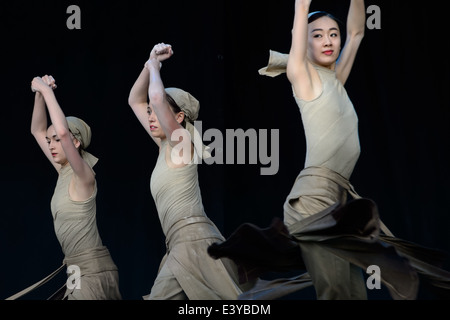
[38, 82]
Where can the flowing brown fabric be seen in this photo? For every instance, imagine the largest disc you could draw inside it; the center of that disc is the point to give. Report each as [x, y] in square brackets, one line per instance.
[350, 231]
[319, 220]
[277, 64]
[36, 285]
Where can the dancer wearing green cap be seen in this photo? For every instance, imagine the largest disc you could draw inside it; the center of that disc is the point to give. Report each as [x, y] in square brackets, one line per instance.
[92, 272]
[168, 115]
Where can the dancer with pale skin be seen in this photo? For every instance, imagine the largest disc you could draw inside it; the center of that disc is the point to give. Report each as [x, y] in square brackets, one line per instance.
[167, 115]
[56, 141]
[319, 43]
[73, 204]
[149, 114]
[328, 229]
[317, 69]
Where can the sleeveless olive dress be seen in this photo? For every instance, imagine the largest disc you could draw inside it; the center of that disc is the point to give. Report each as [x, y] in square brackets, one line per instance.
[332, 149]
[186, 270]
[76, 229]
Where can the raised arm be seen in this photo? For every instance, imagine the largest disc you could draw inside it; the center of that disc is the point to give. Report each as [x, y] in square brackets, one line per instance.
[39, 126]
[356, 22]
[299, 71]
[84, 178]
[138, 101]
[157, 95]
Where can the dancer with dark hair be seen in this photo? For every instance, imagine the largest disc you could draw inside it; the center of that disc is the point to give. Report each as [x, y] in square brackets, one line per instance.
[168, 114]
[318, 70]
[323, 232]
[94, 275]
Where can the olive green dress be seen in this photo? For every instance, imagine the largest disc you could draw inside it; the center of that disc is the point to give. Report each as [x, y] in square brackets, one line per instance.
[186, 270]
[76, 229]
[331, 130]
[326, 233]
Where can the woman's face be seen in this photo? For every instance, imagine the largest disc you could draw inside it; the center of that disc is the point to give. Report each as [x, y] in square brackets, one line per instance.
[55, 147]
[155, 127]
[324, 42]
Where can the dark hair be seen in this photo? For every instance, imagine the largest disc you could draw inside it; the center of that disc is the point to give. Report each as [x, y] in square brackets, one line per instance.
[175, 108]
[313, 16]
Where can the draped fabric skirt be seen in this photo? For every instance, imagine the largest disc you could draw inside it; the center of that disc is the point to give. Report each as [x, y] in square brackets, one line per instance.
[188, 272]
[329, 240]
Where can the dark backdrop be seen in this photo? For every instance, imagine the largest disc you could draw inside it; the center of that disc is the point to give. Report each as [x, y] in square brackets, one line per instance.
[398, 86]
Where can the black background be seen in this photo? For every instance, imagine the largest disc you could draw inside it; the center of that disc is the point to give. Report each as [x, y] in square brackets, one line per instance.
[399, 86]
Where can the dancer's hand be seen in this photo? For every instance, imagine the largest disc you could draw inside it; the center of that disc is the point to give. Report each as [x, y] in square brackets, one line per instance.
[39, 84]
[161, 52]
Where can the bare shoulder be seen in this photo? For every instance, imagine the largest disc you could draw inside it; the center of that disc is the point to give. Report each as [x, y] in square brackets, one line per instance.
[307, 84]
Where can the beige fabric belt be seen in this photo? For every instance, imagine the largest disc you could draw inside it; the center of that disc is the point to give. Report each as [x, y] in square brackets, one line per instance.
[91, 261]
[340, 180]
[183, 222]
